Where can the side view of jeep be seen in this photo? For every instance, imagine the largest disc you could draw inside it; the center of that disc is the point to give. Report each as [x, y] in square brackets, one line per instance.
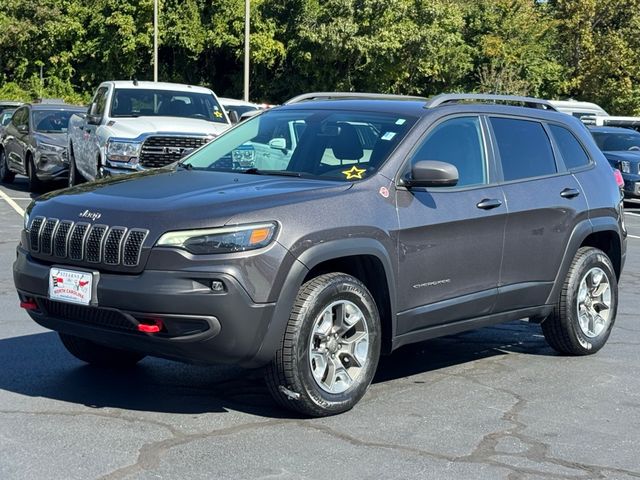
[390, 220]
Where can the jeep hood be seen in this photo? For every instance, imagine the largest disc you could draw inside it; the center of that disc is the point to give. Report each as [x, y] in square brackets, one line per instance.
[135, 128]
[165, 199]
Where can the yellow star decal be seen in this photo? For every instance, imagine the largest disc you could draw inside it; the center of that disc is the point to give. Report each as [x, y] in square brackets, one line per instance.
[218, 114]
[354, 173]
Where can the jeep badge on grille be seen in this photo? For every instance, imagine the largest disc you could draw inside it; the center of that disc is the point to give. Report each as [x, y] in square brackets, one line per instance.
[90, 215]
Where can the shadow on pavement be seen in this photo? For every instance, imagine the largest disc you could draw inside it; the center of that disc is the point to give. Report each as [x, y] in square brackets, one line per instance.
[38, 366]
[21, 185]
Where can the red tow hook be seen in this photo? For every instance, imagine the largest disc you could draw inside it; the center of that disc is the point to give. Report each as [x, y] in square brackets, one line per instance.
[154, 327]
[29, 304]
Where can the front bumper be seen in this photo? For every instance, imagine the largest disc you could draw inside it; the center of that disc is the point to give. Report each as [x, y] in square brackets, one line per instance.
[200, 325]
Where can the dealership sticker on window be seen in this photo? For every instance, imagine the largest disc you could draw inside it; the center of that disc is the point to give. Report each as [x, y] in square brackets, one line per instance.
[388, 136]
[354, 173]
[400, 121]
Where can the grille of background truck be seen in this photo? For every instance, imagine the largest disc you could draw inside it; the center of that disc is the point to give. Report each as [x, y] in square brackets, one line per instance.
[159, 151]
[83, 242]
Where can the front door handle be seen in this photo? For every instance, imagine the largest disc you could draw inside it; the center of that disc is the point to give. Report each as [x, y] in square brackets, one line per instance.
[569, 193]
[489, 203]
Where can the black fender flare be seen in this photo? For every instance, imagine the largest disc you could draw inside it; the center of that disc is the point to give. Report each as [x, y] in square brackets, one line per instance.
[315, 255]
[580, 232]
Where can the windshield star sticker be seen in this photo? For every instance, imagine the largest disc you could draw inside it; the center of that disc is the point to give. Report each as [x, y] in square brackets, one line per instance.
[354, 172]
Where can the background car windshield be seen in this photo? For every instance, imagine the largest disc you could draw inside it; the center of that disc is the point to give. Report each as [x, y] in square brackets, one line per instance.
[617, 142]
[129, 102]
[51, 121]
[340, 145]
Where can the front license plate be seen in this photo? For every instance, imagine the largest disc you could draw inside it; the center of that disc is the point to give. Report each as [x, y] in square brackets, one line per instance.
[70, 286]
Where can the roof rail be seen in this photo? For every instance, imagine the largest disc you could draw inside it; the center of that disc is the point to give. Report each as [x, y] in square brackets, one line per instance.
[305, 97]
[529, 102]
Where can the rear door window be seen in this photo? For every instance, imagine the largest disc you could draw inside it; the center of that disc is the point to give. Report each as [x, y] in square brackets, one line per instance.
[524, 147]
[572, 152]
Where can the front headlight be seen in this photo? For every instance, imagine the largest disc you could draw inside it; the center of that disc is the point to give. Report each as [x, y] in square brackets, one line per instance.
[26, 220]
[50, 148]
[123, 151]
[625, 166]
[220, 240]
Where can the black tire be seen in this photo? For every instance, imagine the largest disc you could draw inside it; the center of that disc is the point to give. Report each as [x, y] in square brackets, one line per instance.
[35, 184]
[290, 377]
[75, 177]
[562, 328]
[99, 355]
[6, 175]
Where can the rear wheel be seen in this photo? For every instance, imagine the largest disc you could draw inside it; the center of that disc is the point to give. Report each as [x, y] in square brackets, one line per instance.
[584, 316]
[35, 184]
[99, 355]
[330, 349]
[6, 175]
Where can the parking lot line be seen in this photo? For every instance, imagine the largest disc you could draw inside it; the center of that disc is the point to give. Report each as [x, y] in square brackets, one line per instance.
[632, 236]
[13, 204]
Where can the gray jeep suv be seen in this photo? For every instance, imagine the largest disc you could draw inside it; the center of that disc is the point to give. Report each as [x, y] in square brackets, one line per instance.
[317, 235]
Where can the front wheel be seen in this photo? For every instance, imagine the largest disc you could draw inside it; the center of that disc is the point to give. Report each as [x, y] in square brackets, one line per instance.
[35, 184]
[586, 311]
[75, 177]
[330, 350]
[6, 175]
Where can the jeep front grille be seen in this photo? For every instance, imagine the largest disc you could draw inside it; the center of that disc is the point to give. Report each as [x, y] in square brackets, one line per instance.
[83, 242]
[159, 151]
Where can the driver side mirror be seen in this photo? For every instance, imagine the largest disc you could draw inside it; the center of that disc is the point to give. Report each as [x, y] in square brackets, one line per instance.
[431, 173]
[278, 144]
[233, 116]
[94, 119]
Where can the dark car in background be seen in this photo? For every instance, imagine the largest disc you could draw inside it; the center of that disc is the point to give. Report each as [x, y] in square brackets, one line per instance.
[621, 146]
[34, 143]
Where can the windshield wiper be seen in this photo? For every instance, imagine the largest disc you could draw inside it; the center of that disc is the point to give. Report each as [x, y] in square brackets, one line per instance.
[186, 166]
[283, 173]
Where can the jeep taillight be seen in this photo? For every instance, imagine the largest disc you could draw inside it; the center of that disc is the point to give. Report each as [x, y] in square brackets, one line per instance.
[618, 176]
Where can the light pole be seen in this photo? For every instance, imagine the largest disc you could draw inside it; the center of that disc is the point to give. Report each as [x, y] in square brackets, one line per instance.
[155, 40]
[246, 49]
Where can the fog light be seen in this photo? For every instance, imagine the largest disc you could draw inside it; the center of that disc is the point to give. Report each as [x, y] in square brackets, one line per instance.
[217, 286]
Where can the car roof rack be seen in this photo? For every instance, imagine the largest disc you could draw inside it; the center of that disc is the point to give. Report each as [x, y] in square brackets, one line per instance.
[529, 102]
[306, 97]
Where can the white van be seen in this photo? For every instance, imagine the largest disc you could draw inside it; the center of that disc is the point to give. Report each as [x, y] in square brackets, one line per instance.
[578, 109]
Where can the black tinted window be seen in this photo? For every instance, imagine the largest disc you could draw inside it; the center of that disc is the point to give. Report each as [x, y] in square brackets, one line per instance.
[525, 149]
[459, 142]
[572, 152]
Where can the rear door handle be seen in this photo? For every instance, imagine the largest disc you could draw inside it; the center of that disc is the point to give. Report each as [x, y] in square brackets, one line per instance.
[489, 203]
[569, 193]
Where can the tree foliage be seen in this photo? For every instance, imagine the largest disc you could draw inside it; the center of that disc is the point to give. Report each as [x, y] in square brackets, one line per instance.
[555, 48]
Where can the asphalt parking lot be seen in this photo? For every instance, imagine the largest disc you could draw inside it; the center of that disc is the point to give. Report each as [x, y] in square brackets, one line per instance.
[495, 403]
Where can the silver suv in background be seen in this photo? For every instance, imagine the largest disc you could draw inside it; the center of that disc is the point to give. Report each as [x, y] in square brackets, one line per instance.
[34, 143]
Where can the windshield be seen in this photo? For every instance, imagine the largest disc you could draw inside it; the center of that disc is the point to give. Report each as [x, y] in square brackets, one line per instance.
[52, 121]
[617, 142]
[330, 144]
[133, 102]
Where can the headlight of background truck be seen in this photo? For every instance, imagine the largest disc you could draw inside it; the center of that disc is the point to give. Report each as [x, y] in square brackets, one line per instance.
[118, 151]
[239, 238]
